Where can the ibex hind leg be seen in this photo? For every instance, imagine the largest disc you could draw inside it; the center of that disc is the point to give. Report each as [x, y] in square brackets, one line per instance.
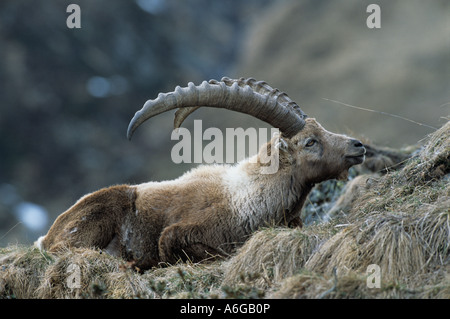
[92, 221]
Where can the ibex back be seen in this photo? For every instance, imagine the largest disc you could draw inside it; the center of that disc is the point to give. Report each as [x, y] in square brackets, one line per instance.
[212, 209]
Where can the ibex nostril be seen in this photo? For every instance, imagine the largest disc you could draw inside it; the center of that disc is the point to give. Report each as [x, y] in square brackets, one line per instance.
[357, 143]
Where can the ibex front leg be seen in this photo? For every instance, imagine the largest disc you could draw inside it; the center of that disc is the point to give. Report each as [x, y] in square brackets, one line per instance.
[186, 242]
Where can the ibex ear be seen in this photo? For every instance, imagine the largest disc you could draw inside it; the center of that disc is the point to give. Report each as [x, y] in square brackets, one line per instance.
[280, 143]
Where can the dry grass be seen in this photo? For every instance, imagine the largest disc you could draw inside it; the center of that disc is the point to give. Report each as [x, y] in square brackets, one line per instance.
[273, 254]
[399, 221]
[28, 273]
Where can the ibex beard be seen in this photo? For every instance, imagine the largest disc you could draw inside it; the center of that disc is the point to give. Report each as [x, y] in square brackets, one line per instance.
[210, 210]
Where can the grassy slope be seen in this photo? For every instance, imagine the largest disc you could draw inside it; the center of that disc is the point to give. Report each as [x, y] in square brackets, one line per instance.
[399, 221]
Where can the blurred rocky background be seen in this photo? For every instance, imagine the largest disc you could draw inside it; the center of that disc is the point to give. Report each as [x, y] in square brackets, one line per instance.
[67, 95]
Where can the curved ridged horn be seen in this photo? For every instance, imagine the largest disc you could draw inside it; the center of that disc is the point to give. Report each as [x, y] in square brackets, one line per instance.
[248, 96]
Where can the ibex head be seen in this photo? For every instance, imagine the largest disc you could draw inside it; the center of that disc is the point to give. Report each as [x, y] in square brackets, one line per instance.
[320, 154]
[303, 142]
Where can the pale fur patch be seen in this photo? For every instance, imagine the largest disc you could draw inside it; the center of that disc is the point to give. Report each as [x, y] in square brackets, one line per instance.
[258, 199]
[241, 189]
[235, 178]
[38, 243]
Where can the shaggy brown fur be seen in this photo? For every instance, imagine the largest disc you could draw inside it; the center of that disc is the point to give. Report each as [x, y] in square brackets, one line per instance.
[210, 210]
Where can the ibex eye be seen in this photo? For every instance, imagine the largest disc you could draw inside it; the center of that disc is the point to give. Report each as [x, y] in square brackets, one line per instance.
[310, 143]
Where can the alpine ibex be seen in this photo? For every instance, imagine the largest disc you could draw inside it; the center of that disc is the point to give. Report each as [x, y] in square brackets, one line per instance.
[211, 209]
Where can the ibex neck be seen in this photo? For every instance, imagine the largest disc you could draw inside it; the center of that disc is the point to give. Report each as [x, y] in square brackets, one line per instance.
[264, 199]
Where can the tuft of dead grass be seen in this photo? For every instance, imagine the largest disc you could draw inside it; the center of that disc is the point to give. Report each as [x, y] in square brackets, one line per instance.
[405, 246]
[21, 271]
[274, 253]
[25, 272]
